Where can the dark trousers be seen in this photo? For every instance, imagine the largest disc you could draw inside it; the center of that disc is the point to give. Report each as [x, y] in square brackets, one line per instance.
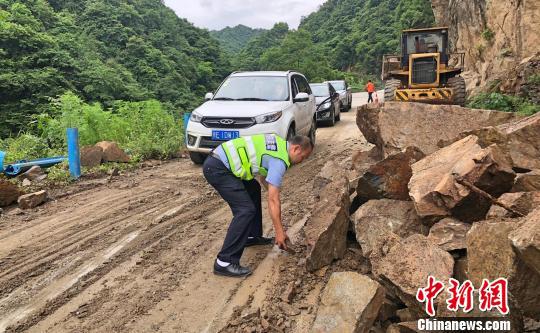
[370, 97]
[244, 198]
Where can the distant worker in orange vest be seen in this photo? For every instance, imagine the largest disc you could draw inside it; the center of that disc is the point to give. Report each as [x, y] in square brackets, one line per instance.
[370, 88]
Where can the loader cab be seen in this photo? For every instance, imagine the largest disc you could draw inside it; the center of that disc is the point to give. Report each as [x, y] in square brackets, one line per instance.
[418, 41]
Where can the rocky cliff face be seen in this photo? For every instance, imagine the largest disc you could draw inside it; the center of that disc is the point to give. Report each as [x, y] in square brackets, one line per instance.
[496, 35]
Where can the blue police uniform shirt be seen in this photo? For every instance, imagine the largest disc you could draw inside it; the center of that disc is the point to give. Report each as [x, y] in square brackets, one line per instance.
[276, 167]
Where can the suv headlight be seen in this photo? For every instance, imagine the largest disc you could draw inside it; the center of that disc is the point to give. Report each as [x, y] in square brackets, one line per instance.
[196, 118]
[268, 118]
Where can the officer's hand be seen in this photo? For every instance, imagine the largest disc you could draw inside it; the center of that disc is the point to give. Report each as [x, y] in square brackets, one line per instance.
[281, 240]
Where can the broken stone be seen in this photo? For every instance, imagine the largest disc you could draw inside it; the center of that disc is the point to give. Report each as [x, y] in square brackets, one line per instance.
[460, 269]
[376, 218]
[15, 212]
[112, 152]
[490, 256]
[328, 173]
[326, 227]
[363, 159]
[520, 139]
[9, 193]
[26, 183]
[34, 174]
[289, 293]
[526, 240]
[523, 202]
[387, 311]
[389, 178]
[91, 156]
[437, 194]
[396, 126]
[350, 303]
[32, 200]
[289, 310]
[404, 327]
[405, 315]
[407, 266]
[450, 234]
[527, 182]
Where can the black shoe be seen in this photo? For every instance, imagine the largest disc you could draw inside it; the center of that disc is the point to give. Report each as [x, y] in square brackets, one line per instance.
[233, 270]
[252, 241]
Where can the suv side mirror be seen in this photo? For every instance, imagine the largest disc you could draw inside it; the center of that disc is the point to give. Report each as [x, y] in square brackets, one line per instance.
[301, 97]
[208, 96]
[335, 95]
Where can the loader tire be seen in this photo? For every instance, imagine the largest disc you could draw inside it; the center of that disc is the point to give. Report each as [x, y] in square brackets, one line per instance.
[457, 83]
[390, 87]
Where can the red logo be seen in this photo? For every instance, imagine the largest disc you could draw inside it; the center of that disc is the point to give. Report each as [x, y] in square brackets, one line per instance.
[492, 295]
[429, 294]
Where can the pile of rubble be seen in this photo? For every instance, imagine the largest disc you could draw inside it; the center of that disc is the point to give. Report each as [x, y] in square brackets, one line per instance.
[11, 193]
[446, 192]
[102, 152]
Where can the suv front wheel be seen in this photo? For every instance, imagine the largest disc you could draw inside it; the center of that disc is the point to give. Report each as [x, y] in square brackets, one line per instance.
[197, 158]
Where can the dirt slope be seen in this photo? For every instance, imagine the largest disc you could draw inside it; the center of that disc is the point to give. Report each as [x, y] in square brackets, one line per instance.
[135, 254]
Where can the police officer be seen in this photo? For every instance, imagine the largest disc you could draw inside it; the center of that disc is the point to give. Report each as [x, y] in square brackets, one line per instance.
[231, 169]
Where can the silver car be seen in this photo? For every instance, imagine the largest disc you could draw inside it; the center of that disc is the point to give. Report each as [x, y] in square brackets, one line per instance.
[345, 93]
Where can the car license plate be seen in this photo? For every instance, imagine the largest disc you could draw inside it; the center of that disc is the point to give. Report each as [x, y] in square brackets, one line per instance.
[225, 135]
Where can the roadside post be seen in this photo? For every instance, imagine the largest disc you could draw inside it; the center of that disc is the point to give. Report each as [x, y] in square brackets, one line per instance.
[187, 115]
[74, 159]
[2, 156]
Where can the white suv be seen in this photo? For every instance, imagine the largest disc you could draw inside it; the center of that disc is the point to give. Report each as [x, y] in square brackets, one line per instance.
[249, 103]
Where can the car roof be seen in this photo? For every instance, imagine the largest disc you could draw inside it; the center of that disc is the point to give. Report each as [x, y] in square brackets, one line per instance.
[264, 73]
[319, 84]
[336, 81]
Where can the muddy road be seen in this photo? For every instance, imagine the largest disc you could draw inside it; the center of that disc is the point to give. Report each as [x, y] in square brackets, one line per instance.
[135, 254]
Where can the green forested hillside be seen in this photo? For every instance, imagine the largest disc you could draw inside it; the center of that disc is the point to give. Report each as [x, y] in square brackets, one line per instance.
[357, 33]
[103, 51]
[235, 38]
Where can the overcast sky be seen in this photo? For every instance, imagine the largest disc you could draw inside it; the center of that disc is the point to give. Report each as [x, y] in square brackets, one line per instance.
[217, 14]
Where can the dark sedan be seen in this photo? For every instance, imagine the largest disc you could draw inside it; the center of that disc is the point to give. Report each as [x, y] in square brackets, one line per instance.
[328, 103]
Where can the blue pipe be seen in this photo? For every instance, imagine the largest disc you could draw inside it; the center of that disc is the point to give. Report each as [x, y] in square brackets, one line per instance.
[74, 158]
[19, 167]
[2, 155]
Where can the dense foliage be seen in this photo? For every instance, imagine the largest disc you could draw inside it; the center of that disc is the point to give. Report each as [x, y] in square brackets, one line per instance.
[356, 33]
[144, 129]
[104, 51]
[235, 39]
[503, 102]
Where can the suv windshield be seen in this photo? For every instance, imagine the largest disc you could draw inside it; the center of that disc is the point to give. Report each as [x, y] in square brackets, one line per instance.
[338, 85]
[254, 88]
[320, 90]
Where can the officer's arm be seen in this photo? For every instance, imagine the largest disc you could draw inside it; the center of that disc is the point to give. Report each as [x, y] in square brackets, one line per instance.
[264, 183]
[274, 206]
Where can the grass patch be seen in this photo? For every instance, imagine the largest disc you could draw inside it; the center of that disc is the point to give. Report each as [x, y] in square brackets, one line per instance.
[502, 102]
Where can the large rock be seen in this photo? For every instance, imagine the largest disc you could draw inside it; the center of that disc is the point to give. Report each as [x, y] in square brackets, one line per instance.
[91, 156]
[407, 266]
[326, 227]
[376, 218]
[523, 202]
[34, 174]
[9, 193]
[437, 194]
[112, 152]
[526, 240]
[527, 182]
[32, 200]
[490, 255]
[520, 139]
[396, 126]
[450, 234]
[389, 178]
[350, 303]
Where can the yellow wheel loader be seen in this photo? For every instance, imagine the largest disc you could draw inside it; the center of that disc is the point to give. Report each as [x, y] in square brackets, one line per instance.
[425, 71]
